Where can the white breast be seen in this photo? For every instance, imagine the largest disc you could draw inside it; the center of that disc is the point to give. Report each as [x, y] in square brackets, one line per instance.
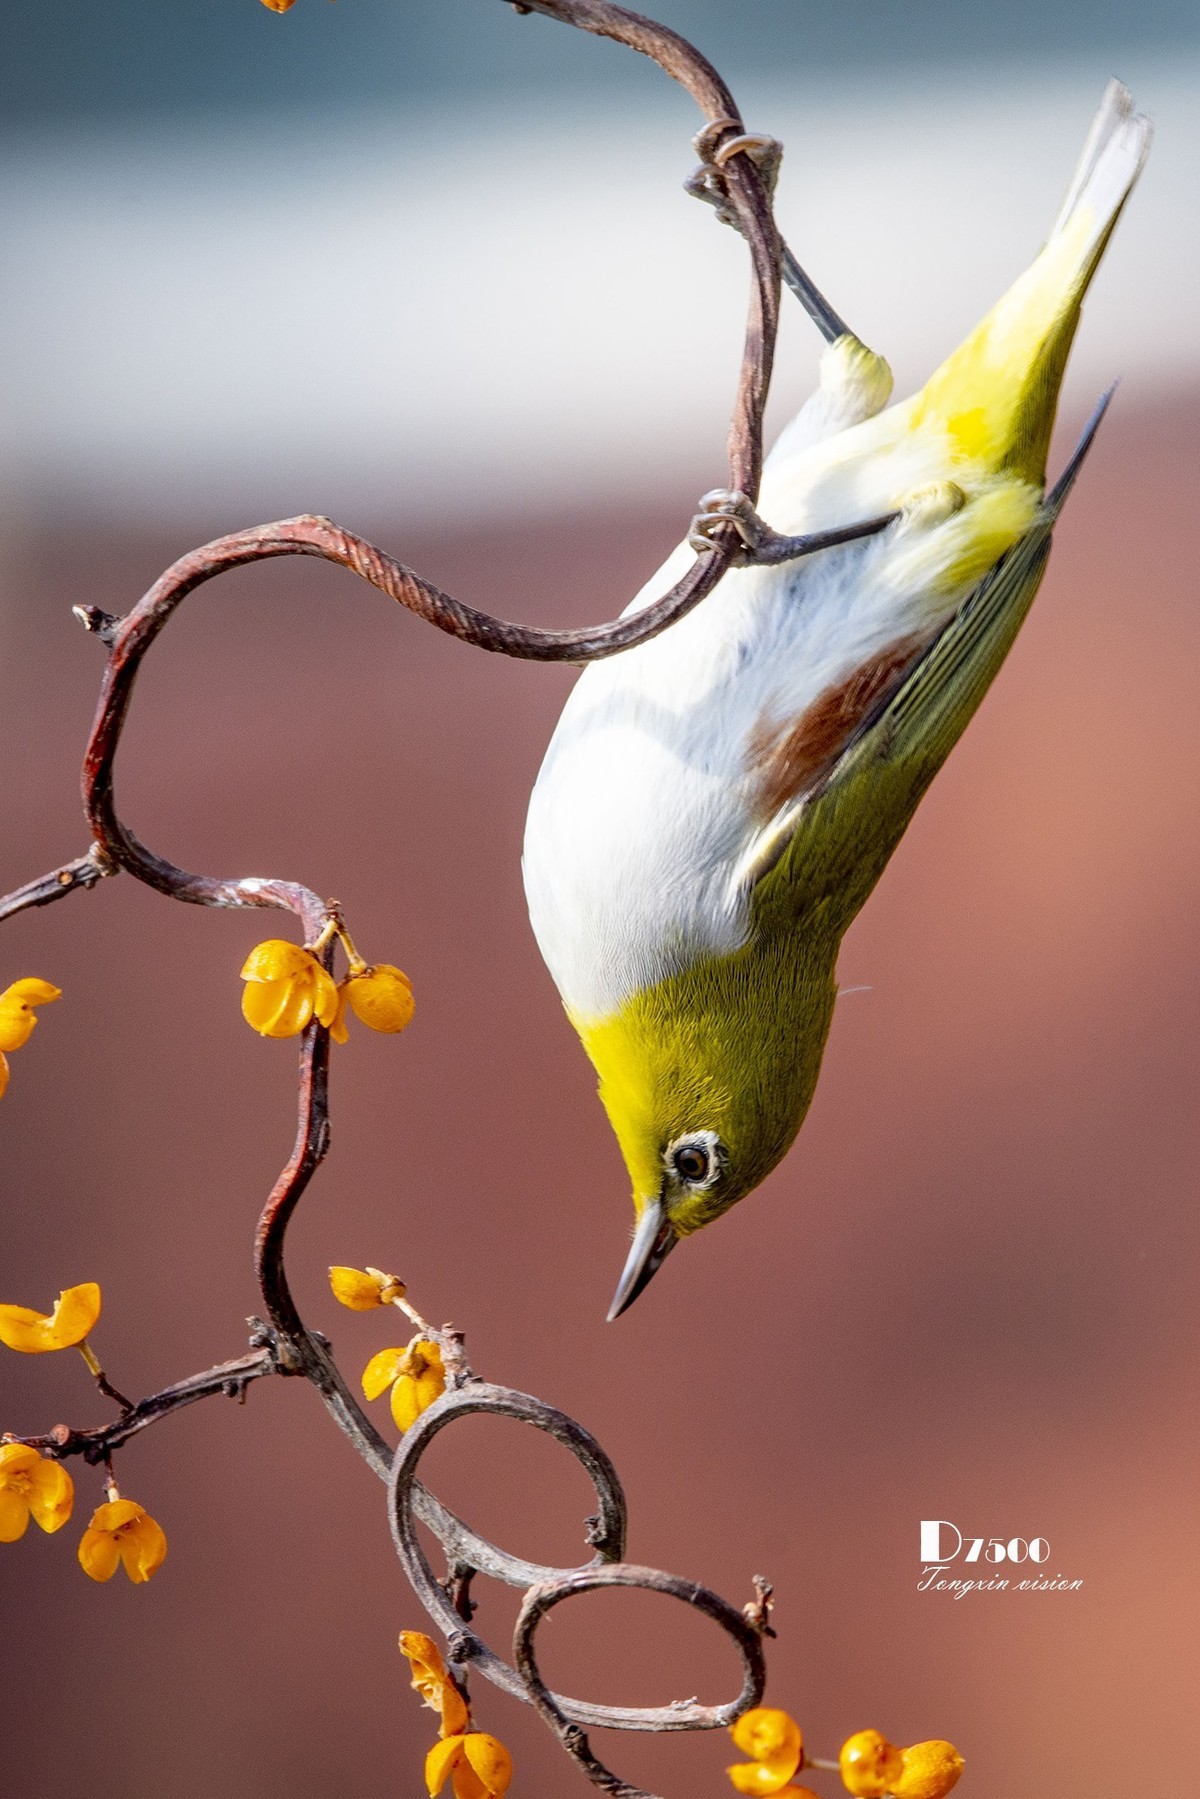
[642, 808]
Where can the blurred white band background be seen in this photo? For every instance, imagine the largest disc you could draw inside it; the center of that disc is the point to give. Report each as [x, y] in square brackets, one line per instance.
[479, 307]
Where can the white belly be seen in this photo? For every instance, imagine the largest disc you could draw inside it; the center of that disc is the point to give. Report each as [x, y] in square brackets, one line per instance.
[643, 806]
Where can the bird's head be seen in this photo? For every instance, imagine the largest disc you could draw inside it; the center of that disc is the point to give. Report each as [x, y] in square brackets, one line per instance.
[706, 1077]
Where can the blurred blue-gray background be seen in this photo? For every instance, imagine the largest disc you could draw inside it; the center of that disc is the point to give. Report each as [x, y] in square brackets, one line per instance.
[346, 257]
[77, 60]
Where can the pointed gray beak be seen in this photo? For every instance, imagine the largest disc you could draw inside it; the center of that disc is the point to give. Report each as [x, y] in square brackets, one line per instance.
[653, 1242]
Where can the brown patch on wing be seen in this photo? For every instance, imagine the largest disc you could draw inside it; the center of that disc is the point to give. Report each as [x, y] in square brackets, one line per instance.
[791, 759]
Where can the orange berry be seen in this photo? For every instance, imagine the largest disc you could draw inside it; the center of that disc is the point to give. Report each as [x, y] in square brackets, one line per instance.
[774, 1741]
[929, 1770]
[870, 1764]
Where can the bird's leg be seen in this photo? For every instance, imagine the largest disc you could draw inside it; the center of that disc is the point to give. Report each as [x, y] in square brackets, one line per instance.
[829, 323]
[723, 510]
[708, 184]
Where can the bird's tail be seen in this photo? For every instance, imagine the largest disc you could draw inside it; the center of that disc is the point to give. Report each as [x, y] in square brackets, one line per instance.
[996, 395]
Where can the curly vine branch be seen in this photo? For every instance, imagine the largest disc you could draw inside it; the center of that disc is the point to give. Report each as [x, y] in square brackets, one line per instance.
[737, 176]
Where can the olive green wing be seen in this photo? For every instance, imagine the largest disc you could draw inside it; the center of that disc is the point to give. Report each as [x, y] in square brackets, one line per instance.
[846, 828]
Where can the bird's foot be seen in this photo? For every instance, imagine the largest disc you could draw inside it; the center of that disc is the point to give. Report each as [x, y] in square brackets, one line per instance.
[725, 509]
[714, 149]
[721, 510]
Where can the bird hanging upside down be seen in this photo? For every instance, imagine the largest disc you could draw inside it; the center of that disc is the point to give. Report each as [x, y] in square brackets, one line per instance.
[717, 803]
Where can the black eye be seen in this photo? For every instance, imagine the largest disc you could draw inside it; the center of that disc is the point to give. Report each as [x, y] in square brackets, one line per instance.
[691, 1163]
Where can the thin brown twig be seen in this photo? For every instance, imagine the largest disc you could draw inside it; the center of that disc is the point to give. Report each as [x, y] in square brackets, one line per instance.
[101, 1379]
[301, 1350]
[72, 877]
[228, 1378]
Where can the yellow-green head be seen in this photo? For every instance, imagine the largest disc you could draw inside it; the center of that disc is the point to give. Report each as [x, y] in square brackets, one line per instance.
[706, 1077]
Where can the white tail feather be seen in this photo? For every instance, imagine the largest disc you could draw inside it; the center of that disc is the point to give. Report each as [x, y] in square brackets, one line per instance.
[1112, 158]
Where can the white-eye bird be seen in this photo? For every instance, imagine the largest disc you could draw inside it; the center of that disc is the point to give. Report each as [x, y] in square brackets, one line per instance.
[716, 804]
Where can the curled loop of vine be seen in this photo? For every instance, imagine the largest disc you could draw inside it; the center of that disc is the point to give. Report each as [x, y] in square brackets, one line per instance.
[467, 1555]
[606, 1531]
[606, 1534]
[683, 1715]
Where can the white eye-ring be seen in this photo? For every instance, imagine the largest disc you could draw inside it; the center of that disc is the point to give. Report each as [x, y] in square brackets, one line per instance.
[698, 1160]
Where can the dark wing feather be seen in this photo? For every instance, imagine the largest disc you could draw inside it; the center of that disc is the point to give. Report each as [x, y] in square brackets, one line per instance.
[845, 829]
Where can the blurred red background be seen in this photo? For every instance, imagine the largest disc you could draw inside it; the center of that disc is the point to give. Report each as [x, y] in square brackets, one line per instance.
[969, 1293]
